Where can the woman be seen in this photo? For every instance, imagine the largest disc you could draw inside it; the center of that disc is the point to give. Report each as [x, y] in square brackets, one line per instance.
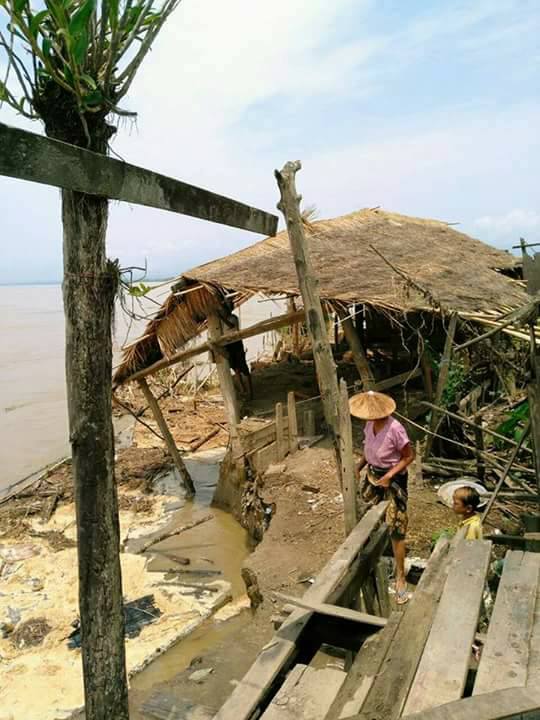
[387, 454]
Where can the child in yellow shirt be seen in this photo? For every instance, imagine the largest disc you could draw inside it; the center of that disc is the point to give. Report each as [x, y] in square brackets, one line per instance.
[465, 503]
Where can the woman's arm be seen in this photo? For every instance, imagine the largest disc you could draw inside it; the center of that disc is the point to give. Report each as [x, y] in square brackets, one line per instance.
[407, 456]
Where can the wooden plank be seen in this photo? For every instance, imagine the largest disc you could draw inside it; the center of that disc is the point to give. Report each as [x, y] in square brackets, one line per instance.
[275, 657]
[306, 694]
[444, 369]
[397, 379]
[333, 610]
[292, 422]
[358, 353]
[221, 340]
[27, 156]
[427, 374]
[533, 669]
[381, 585]
[280, 444]
[364, 670]
[389, 691]
[506, 653]
[348, 480]
[510, 704]
[263, 436]
[442, 671]
[167, 437]
[309, 423]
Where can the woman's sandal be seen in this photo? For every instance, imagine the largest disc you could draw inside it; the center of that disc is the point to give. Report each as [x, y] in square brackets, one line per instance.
[402, 596]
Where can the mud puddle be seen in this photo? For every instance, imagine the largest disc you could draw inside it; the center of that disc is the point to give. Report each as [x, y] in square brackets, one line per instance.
[216, 550]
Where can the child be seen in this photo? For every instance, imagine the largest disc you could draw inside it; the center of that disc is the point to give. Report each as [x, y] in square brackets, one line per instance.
[465, 502]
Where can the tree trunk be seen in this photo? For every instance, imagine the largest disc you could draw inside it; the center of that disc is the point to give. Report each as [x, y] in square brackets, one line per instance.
[89, 289]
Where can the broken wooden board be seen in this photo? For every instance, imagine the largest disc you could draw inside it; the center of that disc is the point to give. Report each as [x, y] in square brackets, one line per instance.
[512, 703]
[28, 156]
[275, 658]
[389, 691]
[444, 665]
[363, 671]
[333, 610]
[306, 694]
[505, 656]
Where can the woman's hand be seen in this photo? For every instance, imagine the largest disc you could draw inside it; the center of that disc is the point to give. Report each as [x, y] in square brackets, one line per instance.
[385, 481]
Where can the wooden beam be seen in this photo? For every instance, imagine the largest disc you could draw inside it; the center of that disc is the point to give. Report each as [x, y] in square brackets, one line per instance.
[166, 433]
[27, 156]
[397, 379]
[292, 422]
[222, 340]
[226, 382]
[427, 374]
[289, 204]
[348, 481]
[444, 369]
[332, 610]
[358, 353]
[278, 655]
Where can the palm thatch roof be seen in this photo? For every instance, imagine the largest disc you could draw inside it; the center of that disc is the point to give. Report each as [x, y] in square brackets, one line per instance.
[384, 260]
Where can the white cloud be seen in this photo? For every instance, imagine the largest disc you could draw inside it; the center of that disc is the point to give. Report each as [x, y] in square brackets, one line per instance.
[510, 226]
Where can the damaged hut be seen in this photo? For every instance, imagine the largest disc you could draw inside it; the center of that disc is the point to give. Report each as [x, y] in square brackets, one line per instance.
[397, 287]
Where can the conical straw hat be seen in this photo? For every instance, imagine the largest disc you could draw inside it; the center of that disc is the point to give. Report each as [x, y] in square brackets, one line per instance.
[371, 405]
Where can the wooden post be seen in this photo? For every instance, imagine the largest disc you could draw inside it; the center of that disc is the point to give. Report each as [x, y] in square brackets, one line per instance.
[359, 356]
[226, 382]
[168, 438]
[479, 442]
[309, 423]
[381, 584]
[309, 287]
[280, 443]
[293, 422]
[427, 375]
[291, 307]
[348, 482]
[533, 392]
[444, 368]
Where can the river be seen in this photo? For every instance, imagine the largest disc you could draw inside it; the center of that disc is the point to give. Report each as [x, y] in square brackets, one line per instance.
[33, 415]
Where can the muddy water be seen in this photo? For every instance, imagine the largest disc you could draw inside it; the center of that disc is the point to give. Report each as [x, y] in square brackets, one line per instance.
[218, 546]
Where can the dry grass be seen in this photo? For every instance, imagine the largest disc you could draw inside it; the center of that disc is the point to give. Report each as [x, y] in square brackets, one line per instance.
[431, 260]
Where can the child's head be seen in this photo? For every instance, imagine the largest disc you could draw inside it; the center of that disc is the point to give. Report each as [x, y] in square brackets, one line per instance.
[466, 501]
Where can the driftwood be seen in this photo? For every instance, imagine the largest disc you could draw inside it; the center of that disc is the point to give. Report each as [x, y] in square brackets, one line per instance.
[199, 443]
[171, 533]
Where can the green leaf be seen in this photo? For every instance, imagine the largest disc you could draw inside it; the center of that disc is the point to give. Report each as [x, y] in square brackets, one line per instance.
[80, 19]
[37, 21]
[46, 46]
[93, 98]
[3, 91]
[20, 5]
[89, 81]
[80, 46]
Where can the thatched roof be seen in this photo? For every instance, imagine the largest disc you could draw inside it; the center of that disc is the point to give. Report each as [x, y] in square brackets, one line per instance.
[416, 265]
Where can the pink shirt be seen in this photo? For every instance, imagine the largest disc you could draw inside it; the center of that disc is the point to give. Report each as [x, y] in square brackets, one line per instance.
[384, 449]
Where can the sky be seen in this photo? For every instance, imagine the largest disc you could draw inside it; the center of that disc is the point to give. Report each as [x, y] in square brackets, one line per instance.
[428, 108]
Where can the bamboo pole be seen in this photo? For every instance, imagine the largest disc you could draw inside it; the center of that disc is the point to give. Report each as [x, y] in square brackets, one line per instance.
[168, 438]
[506, 470]
[444, 369]
[223, 339]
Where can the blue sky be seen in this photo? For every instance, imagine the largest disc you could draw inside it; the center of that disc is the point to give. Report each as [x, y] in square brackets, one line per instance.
[425, 108]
